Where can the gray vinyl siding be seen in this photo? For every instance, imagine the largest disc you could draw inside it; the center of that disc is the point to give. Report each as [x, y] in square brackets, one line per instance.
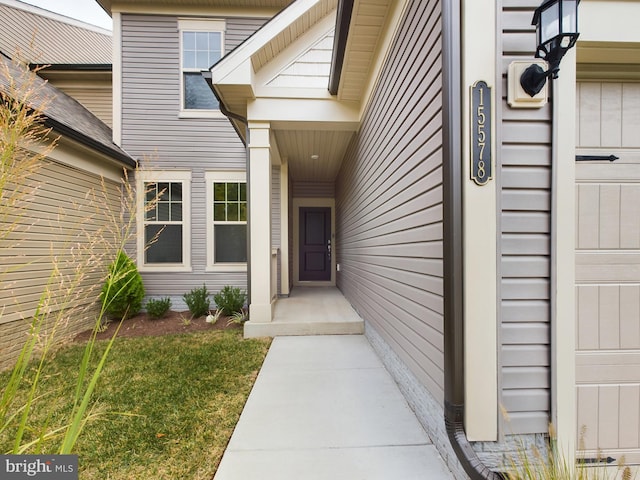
[525, 202]
[239, 29]
[314, 190]
[276, 231]
[389, 202]
[152, 129]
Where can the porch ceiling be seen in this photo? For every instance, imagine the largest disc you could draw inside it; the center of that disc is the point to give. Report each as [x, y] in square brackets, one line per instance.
[300, 148]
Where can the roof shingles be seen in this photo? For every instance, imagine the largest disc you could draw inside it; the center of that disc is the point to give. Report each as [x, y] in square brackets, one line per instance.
[64, 114]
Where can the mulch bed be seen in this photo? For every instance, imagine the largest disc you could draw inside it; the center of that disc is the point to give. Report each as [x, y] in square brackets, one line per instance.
[172, 323]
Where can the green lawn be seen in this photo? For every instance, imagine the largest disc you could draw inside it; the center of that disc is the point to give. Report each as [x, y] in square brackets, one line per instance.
[166, 405]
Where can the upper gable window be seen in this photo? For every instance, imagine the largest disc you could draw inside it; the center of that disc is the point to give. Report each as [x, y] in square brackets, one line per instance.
[201, 45]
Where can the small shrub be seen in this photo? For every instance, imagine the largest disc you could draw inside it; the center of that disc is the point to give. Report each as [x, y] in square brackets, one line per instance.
[213, 317]
[239, 317]
[158, 308]
[123, 290]
[198, 301]
[230, 300]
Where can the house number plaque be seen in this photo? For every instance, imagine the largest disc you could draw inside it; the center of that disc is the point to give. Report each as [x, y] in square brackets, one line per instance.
[481, 133]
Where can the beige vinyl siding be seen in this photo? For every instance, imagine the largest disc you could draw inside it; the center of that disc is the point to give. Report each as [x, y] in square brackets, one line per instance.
[389, 202]
[59, 215]
[524, 176]
[96, 99]
[48, 39]
[608, 270]
[152, 129]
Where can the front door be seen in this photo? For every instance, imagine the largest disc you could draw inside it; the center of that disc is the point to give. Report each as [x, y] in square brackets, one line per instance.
[315, 244]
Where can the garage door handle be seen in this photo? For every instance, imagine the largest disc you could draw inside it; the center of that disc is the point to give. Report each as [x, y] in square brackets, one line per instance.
[598, 460]
[595, 158]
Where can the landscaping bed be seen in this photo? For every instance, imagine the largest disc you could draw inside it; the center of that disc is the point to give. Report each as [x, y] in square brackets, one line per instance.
[172, 323]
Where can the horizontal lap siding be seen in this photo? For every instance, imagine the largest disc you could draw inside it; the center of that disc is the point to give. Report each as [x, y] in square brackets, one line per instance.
[313, 190]
[276, 231]
[389, 202]
[96, 99]
[52, 232]
[151, 128]
[239, 29]
[525, 176]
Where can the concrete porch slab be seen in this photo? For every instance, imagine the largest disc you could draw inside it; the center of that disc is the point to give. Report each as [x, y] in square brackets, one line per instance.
[309, 311]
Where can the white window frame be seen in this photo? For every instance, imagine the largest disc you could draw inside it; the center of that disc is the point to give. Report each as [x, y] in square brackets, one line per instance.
[211, 178]
[191, 25]
[183, 177]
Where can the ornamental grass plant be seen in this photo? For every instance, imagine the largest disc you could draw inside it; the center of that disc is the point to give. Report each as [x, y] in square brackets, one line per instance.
[553, 464]
[77, 263]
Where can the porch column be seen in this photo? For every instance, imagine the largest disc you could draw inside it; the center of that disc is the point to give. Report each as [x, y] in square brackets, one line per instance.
[260, 308]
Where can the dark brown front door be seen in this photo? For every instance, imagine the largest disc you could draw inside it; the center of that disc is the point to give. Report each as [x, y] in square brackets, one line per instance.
[315, 243]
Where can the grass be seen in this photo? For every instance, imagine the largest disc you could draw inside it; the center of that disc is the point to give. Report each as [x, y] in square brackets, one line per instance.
[165, 407]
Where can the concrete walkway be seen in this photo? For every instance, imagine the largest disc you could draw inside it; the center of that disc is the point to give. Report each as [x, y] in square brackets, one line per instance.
[325, 408]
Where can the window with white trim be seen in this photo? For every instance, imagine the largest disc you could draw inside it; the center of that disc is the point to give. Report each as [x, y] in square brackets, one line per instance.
[201, 45]
[226, 221]
[164, 220]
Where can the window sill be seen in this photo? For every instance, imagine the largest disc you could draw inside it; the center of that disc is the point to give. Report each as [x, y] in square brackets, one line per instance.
[164, 268]
[227, 267]
[200, 114]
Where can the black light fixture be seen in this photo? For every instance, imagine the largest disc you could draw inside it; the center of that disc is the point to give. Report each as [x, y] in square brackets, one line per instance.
[556, 24]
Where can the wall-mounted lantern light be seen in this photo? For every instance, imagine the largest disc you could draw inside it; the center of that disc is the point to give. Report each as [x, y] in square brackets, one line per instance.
[556, 24]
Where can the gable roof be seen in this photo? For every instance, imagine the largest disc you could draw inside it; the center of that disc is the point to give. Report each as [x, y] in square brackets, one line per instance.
[233, 76]
[65, 115]
[311, 125]
[46, 38]
[362, 39]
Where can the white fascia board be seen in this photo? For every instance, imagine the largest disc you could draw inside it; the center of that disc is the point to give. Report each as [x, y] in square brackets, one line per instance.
[293, 92]
[243, 53]
[303, 110]
[608, 21]
[241, 75]
[73, 154]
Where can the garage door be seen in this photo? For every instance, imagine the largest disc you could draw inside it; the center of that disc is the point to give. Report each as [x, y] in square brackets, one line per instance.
[608, 270]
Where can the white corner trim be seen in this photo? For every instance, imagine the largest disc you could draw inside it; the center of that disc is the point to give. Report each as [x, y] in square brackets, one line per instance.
[563, 215]
[480, 233]
[117, 79]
